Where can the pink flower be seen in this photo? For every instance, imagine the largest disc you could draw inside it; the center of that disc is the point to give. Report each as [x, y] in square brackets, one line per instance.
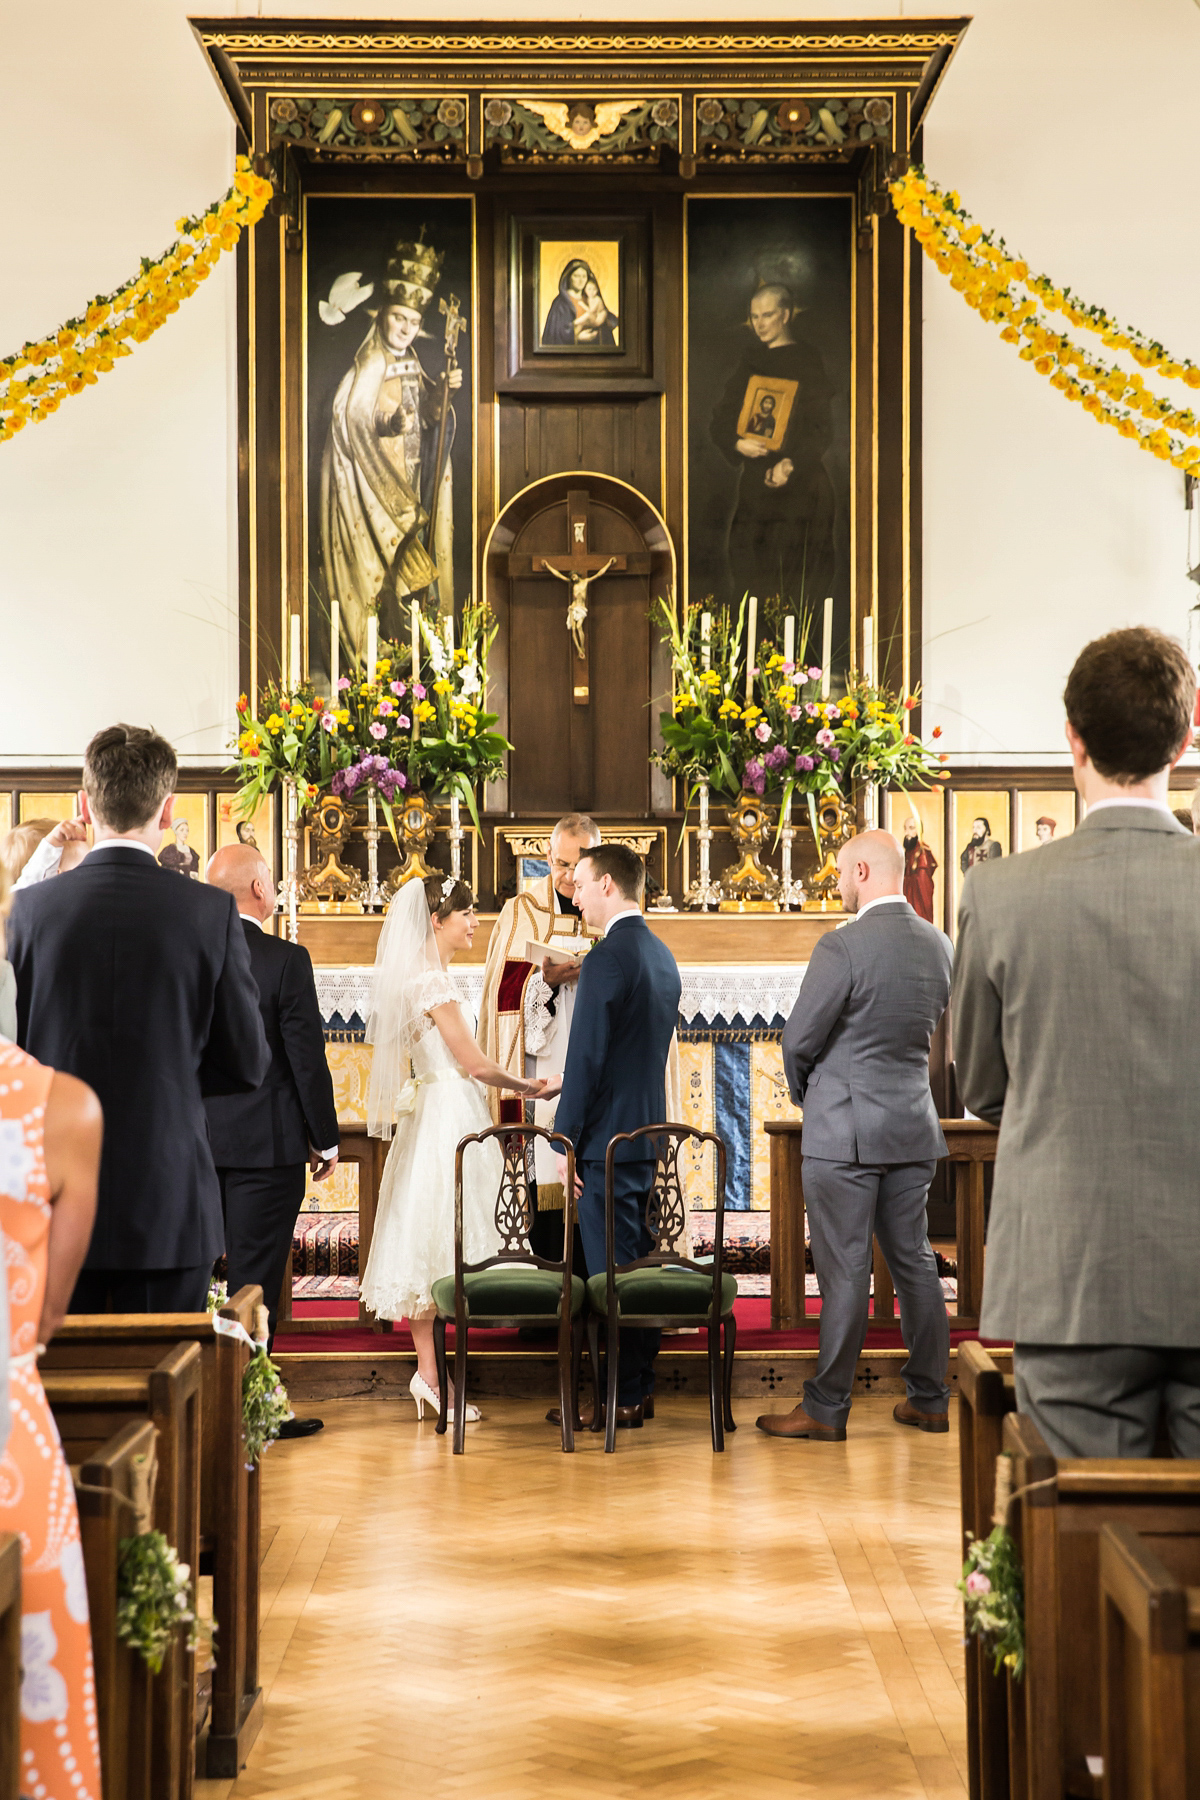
[343, 683]
[385, 707]
[418, 690]
[403, 722]
[399, 688]
[810, 707]
[756, 670]
[978, 1583]
[763, 732]
[328, 722]
[377, 730]
[794, 712]
[815, 674]
[789, 668]
[825, 738]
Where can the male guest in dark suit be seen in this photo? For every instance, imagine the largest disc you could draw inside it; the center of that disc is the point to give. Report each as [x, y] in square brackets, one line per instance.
[140, 985]
[626, 1011]
[263, 1143]
[856, 1053]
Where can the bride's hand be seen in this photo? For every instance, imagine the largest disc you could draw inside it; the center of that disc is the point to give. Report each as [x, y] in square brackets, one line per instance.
[551, 1088]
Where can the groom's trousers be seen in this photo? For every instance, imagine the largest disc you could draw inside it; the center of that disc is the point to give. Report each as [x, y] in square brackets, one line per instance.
[631, 1239]
[847, 1205]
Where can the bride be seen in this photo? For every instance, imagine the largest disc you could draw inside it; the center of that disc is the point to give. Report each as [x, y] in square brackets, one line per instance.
[424, 1085]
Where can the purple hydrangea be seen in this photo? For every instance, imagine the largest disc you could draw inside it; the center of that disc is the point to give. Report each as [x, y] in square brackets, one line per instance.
[754, 776]
[805, 763]
[775, 759]
[372, 768]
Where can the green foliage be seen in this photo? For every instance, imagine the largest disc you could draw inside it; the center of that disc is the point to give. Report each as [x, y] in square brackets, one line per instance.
[154, 1597]
[265, 1404]
[994, 1598]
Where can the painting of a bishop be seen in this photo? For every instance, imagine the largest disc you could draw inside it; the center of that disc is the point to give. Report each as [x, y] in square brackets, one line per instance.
[385, 455]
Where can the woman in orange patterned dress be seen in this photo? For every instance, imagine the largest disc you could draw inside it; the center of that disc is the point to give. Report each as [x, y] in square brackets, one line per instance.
[50, 1134]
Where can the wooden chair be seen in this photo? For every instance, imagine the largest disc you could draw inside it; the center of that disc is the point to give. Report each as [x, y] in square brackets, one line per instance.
[90, 1405]
[106, 1482]
[985, 1395]
[1054, 1713]
[515, 1287]
[665, 1288]
[10, 1666]
[229, 1494]
[1150, 1680]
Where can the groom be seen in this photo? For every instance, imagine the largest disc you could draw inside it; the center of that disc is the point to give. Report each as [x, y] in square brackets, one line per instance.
[626, 1010]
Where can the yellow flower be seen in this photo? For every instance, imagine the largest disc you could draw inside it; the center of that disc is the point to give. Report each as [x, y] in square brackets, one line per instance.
[342, 715]
[683, 703]
[426, 711]
[727, 709]
[443, 686]
[274, 724]
[383, 666]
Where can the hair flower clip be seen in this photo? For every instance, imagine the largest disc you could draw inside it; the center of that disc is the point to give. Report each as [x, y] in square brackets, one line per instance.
[448, 886]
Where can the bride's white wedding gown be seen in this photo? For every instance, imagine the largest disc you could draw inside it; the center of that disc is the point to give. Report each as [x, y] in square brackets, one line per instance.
[413, 1242]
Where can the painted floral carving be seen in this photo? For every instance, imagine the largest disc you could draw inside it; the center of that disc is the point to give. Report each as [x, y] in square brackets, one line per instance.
[743, 125]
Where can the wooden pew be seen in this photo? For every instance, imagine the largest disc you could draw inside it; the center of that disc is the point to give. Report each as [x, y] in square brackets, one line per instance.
[10, 1665]
[1150, 1680]
[985, 1395]
[90, 1405]
[970, 1145]
[229, 1494]
[1054, 1714]
[123, 1682]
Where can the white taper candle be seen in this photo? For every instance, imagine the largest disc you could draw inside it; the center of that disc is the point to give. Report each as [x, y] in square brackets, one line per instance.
[372, 645]
[827, 650]
[706, 640]
[297, 672]
[789, 639]
[416, 667]
[868, 660]
[751, 634]
[335, 649]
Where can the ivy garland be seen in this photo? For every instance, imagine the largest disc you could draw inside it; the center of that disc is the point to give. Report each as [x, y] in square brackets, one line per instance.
[1001, 289]
[155, 1597]
[265, 1405]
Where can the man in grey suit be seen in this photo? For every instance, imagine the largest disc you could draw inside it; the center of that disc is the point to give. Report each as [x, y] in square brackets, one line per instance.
[1075, 985]
[856, 1052]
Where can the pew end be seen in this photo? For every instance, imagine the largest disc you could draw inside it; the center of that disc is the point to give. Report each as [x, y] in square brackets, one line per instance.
[10, 1665]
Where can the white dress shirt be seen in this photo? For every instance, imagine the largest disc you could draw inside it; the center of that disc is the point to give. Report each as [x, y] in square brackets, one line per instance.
[630, 912]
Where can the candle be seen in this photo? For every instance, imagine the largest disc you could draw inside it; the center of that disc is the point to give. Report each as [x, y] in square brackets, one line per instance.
[706, 640]
[297, 671]
[827, 650]
[751, 633]
[372, 647]
[448, 631]
[789, 639]
[869, 651]
[416, 666]
[335, 649]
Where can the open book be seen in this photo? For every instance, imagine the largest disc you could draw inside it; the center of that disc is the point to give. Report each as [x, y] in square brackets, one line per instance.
[557, 952]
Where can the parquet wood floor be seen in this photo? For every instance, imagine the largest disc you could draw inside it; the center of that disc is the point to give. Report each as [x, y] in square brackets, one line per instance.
[521, 1625]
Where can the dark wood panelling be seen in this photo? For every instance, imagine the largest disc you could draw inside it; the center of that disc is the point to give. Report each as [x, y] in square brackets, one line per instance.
[552, 437]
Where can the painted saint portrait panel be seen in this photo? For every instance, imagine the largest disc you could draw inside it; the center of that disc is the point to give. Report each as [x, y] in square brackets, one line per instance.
[389, 412]
[918, 821]
[1044, 817]
[183, 847]
[979, 832]
[579, 294]
[769, 347]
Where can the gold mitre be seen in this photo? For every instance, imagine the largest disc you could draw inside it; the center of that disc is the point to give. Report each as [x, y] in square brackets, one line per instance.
[412, 273]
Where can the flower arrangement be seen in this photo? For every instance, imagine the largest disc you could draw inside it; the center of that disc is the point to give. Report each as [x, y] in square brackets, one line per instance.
[218, 1295]
[1001, 289]
[994, 1598]
[154, 1597]
[265, 1405]
[776, 734]
[35, 380]
[404, 730]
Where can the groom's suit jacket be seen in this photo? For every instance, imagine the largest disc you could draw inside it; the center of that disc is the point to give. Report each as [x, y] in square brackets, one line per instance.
[626, 1011]
[138, 981]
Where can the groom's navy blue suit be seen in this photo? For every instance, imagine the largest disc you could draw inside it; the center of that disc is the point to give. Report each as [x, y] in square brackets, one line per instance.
[626, 1010]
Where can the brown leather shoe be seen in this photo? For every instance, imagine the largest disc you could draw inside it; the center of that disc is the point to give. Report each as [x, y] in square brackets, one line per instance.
[905, 1413]
[628, 1417]
[797, 1424]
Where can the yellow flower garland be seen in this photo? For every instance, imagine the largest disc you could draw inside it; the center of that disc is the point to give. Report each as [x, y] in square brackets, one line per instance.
[34, 381]
[1001, 289]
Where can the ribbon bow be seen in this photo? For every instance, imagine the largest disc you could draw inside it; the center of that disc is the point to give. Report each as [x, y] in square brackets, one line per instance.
[406, 1100]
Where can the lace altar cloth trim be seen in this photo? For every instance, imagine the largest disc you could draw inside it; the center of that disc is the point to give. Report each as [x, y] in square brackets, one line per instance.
[761, 996]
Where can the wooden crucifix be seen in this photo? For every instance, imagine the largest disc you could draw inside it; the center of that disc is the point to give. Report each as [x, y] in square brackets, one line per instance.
[579, 568]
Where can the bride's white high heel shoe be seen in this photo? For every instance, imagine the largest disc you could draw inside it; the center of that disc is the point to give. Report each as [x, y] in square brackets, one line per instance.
[424, 1396]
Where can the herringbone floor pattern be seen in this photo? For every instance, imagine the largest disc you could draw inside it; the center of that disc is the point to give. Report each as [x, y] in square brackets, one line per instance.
[776, 1622]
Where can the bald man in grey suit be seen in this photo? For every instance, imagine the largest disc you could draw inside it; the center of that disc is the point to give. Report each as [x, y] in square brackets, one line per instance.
[1075, 984]
[856, 1053]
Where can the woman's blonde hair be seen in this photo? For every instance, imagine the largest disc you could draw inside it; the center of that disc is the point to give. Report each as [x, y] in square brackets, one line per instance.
[19, 844]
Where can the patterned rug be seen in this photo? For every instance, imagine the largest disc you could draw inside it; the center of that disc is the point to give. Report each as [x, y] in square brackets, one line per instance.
[325, 1245]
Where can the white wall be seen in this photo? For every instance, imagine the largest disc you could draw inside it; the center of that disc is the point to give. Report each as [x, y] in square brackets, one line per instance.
[1069, 125]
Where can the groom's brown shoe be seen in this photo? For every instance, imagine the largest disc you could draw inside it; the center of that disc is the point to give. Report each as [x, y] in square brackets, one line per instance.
[629, 1417]
[905, 1413]
[797, 1424]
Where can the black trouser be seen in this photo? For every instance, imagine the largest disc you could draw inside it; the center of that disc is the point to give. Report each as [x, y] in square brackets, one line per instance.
[261, 1207]
[631, 1240]
[142, 1290]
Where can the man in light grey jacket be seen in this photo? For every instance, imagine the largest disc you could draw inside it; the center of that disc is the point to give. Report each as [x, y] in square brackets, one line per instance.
[1075, 984]
[856, 1053]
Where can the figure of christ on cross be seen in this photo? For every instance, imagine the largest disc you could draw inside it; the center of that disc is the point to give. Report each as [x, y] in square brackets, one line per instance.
[580, 567]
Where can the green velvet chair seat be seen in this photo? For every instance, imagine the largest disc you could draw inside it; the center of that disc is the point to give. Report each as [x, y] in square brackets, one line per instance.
[509, 1292]
[653, 1293]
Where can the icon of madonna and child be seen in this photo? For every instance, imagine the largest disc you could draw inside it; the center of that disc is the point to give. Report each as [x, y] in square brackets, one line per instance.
[386, 497]
[578, 317]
